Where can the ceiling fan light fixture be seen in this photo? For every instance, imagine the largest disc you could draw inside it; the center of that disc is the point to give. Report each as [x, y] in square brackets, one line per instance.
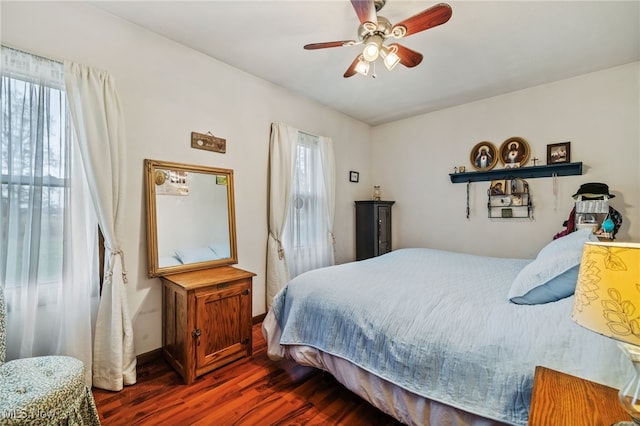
[389, 57]
[372, 47]
[399, 31]
[369, 27]
[374, 30]
[362, 67]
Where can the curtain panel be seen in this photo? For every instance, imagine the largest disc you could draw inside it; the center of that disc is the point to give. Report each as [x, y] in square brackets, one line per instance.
[281, 162]
[327, 157]
[99, 123]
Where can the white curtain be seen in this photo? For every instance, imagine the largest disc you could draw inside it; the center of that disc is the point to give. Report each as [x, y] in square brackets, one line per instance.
[99, 123]
[48, 231]
[327, 158]
[282, 149]
[301, 205]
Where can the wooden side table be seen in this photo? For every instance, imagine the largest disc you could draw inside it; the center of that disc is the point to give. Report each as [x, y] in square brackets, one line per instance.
[562, 400]
[206, 319]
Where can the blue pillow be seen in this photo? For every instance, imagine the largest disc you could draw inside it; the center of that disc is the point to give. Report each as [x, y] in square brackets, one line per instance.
[553, 274]
[556, 288]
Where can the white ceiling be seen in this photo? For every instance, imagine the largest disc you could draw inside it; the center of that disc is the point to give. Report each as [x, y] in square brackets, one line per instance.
[486, 49]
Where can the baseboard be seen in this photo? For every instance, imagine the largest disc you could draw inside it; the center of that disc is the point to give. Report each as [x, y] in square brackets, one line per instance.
[155, 354]
[148, 357]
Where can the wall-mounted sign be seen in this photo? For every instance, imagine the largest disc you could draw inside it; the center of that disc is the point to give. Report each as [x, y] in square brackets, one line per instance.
[208, 142]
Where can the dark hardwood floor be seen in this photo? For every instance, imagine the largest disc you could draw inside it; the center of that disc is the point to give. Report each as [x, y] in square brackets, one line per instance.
[251, 391]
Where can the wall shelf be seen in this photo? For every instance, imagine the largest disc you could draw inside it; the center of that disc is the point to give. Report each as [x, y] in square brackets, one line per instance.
[564, 169]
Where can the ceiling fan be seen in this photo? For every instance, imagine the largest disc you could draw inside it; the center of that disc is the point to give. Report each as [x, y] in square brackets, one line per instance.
[375, 29]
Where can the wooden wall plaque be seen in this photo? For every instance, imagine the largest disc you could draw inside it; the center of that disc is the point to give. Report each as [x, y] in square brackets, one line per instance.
[208, 142]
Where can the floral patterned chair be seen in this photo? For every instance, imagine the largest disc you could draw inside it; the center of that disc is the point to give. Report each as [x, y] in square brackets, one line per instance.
[46, 390]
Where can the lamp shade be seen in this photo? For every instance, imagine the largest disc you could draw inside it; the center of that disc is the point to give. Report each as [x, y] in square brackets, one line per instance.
[607, 296]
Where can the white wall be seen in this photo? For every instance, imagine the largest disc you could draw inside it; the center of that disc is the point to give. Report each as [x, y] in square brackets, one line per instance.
[167, 91]
[598, 113]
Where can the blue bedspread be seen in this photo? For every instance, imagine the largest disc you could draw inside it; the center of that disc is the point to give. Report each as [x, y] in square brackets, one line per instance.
[439, 324]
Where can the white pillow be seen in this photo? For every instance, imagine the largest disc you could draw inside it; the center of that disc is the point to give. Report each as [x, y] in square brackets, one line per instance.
[553, 274]
[221, 250]
[165, 261]
[195, 254]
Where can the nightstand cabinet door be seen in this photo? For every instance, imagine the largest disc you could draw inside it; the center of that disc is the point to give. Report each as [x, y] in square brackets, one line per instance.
[225, 329]
[206, 319]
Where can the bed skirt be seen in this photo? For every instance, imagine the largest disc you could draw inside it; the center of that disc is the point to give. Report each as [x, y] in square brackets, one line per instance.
[407, 407]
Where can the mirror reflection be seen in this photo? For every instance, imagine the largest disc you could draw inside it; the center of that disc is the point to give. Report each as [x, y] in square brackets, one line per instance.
[190, 223]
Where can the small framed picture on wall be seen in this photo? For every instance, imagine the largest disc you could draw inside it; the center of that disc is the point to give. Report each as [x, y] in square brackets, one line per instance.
[354, 176]
[483, 156]
[514, 152]
[559, 153]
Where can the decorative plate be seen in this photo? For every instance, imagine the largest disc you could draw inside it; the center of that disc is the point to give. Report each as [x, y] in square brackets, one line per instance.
[505, 201]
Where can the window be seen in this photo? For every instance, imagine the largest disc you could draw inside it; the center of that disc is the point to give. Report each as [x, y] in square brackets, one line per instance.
[306, 232]
[34, 161]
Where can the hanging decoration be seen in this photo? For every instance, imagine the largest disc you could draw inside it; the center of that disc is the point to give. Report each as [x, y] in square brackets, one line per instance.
[468, 188]
[208, 142]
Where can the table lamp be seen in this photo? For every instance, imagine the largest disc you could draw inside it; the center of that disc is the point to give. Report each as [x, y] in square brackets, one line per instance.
[607, 301]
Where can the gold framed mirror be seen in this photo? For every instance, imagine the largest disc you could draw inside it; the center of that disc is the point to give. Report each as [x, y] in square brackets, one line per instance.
[190, 217]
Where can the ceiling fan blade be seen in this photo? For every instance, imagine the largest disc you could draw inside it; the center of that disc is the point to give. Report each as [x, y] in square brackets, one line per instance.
[366, 11]
[428, 18]
[324, 45]
[409, 58]
[351, 71]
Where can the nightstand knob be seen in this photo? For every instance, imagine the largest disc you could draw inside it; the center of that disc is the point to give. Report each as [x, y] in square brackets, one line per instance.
[196, 334]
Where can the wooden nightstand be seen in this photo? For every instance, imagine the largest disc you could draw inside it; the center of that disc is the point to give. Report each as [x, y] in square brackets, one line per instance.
[206, 319]
[562, 400]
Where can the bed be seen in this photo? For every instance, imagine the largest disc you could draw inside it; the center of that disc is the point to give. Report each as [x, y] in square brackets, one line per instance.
[436, 337]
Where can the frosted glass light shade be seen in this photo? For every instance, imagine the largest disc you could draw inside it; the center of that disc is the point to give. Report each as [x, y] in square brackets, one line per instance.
[372, 48]
[362, 67]
[390, 57]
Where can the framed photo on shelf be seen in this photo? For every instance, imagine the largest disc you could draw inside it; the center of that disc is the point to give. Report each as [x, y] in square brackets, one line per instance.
[483, 156]
[519, 186]
[506, 213]
[354, 176]
[559, 153]
[498, 187]
[514, 152]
